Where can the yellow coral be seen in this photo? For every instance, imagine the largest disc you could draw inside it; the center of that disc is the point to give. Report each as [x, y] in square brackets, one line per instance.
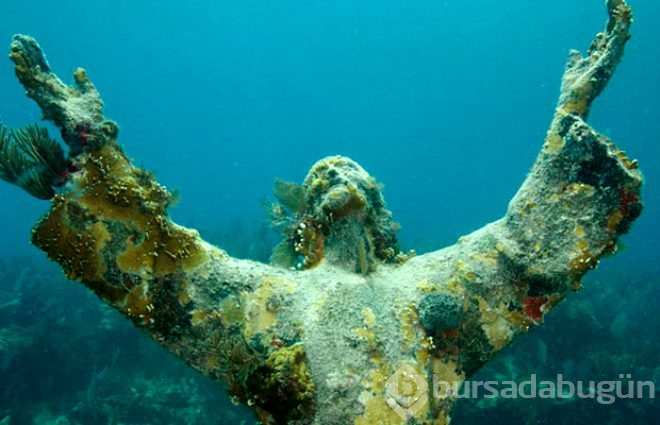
[289, 370]
[553, 143]
[495, 325]
[409, 318]
[261, 312]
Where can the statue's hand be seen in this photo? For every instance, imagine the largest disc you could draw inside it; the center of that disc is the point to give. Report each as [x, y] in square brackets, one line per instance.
[77, 109]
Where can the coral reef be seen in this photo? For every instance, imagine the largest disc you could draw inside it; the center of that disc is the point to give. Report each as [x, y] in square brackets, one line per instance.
[439, 312]
[319, 345]
[118, 377]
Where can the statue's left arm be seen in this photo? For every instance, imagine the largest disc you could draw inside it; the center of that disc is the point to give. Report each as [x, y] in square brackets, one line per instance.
[581, 195]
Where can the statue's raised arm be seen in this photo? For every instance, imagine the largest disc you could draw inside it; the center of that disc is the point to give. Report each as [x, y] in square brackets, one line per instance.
[330, 332]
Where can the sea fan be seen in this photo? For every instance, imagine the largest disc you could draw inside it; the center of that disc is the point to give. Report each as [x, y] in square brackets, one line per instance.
[30, 159]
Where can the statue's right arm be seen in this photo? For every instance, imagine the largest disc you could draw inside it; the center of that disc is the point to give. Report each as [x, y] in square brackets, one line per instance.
[108, 228]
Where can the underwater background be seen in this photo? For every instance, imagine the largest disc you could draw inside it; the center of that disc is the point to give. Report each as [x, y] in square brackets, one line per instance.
[444, 102]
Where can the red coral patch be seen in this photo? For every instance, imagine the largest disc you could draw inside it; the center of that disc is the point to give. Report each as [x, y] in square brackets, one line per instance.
[625, 200]
[533, 307]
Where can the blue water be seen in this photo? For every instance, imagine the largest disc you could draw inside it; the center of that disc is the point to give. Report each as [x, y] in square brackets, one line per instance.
[445, 102]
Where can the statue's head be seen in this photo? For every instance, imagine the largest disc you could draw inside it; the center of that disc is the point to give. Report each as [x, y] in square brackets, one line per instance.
[337, 215]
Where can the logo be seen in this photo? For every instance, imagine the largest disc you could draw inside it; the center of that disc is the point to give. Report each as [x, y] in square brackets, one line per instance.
[407, 391]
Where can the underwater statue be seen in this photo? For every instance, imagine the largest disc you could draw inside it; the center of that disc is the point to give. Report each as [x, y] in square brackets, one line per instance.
[342, 327]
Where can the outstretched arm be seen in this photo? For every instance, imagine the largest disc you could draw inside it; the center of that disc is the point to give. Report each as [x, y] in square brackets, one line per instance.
[580, 196]
[583, 192]
[109, 229]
